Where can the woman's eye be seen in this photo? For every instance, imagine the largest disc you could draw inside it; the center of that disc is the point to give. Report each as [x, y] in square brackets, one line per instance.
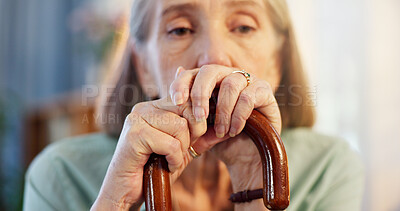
[243, 29]
[180, 31]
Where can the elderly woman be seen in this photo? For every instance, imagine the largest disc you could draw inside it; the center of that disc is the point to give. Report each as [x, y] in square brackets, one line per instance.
[182, 50]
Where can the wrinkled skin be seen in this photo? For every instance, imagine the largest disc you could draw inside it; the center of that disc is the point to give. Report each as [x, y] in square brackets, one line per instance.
[194, 46]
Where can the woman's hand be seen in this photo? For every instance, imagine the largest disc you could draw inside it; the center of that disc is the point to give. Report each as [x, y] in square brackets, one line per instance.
[236, 101]
[152, 127]
[168, 127]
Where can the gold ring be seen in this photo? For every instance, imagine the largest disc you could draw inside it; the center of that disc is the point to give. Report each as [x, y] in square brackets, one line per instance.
[245, 74]
[193, 153]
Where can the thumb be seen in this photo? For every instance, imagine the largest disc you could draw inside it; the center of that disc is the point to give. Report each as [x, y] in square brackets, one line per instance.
[208, 141]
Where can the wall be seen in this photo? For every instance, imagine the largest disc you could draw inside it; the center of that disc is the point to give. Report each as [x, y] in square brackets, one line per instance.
[382, 100]
[352, 51]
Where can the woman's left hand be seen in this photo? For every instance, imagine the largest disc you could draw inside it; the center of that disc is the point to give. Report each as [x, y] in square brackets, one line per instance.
[236, 101]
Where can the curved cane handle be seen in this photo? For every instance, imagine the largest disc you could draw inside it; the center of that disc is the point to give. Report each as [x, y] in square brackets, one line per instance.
[157, 191]
[276, 192]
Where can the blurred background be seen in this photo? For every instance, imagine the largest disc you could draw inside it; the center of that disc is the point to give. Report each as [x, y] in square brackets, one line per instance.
[52, 51]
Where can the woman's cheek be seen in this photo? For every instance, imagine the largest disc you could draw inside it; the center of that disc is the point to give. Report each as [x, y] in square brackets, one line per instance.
[171, 57]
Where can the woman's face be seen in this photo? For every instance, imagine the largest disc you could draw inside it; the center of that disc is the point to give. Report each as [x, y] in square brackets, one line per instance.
[193, 33]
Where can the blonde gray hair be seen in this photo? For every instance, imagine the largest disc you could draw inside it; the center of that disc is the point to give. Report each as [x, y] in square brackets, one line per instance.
[292, 94]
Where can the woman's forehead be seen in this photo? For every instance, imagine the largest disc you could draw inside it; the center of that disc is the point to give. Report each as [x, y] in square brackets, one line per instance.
[173, 5]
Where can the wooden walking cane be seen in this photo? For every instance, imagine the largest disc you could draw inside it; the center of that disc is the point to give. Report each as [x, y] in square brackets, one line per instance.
[157, 191]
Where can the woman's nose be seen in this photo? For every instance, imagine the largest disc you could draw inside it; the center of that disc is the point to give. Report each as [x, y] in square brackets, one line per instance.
[213, 48]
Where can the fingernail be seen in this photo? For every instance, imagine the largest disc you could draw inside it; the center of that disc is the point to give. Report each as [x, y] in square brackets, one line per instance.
[220, 131]
[199, 113]
[178, 71]
[178, 98]
[232, 132]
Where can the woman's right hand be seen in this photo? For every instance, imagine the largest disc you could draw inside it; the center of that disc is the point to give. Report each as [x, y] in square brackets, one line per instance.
[152, 127]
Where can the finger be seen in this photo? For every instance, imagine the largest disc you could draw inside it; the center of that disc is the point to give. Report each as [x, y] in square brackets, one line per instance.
[169, 123]
[208, 77]
[180, 87]
[147, 140]
[268, 107]
[163, 144]
[178, 71]
[208, 141]
[196, 129]
[229, 91]
[258, 95]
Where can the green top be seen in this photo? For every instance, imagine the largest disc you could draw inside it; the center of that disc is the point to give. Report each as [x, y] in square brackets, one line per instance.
[324, 173]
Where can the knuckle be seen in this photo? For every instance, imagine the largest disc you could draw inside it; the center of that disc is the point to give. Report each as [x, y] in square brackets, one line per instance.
[132, 118]
[139, 107]
[230, 85]
[174, 145]
[222, 117]
[187, 73]
[195, 96]
[205, 68]
[182, 75]
[223, 112]
[247, 98]
[181, 124]
[135, 135]
[183, 108]
[264, 85]
[237, 118]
